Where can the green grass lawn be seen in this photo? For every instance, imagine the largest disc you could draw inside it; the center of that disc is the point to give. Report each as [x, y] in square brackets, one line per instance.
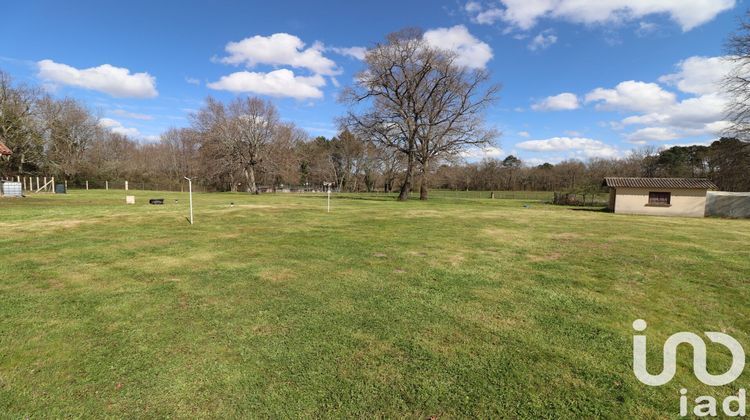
[274, 308]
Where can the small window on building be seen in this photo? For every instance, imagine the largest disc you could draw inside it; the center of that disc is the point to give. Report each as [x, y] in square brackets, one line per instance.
[659, 198]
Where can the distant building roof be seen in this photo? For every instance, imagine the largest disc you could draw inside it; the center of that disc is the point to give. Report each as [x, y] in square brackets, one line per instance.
[675, 183]
[4, 151]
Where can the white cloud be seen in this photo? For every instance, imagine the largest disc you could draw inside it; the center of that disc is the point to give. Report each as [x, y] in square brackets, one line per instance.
[476, 153]
[354, 52]
[632, 96]
[524, 134]
[699, 75]
[543, 41]
[562, 102]
[578, 146]
[470, 51]
[645, 28]
[647, 134]
[661, 116]
[525, 14]
[717, 127]
[192, 81]
[473, 7]
[279, 83]
[280, 49]
[689, 113]
[114, 81]
[132, 115]
[489, 16]
[117, 127]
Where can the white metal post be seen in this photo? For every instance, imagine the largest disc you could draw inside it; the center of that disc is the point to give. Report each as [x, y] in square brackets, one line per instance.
[328, 191]
[190, 192]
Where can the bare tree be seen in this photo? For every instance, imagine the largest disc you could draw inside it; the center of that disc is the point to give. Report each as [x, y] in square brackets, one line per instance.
[18, 125]
[70, 130]
[238, 134]
[281, 161]
[737, 83]
[454, 104]
[390, 81]
[421, 103]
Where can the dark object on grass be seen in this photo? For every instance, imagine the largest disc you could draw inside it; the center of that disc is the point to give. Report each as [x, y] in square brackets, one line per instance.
[60, 189]
[176, 201]
[156, 201]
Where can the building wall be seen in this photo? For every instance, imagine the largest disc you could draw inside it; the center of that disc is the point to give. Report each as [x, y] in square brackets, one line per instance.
[686, 203]
[728, 204]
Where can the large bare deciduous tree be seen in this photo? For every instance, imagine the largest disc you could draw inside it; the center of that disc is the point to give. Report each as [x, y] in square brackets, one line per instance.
[19, 128]
[239, 133]
[737, 83]
[414, 98]
[70, 130]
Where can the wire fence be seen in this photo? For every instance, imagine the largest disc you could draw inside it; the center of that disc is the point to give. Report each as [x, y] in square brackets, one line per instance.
[31, 184]
[509, 195]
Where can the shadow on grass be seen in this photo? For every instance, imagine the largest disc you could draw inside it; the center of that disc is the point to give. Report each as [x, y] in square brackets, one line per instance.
[592, 209]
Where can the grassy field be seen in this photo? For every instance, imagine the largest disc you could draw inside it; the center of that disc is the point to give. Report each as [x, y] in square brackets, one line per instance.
[274, 308]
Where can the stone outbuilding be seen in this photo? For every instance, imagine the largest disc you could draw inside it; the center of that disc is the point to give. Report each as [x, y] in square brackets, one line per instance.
[684, 197]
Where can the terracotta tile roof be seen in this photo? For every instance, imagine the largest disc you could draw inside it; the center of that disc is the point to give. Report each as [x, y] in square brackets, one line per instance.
[674, 183]
[4, 151]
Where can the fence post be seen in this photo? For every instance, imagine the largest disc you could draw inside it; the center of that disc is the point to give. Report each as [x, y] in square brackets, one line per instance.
[106, 185]
[66, 185]
[52, 180]
[87, 185]
[126, 185]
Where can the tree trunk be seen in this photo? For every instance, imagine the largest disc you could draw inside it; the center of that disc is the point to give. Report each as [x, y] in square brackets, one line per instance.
[423, 184]
[250, 178]
[403, 195]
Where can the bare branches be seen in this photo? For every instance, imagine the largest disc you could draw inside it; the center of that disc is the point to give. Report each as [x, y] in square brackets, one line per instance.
[238, 134]
[736, 85]
[413, 98]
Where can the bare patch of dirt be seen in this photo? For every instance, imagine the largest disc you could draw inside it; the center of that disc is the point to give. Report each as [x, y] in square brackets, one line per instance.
[565, 236]
[423, 213]
[46, 224]
[276, 276]
[253, 206]
[547, 257]
[506, 235]
[456, 259]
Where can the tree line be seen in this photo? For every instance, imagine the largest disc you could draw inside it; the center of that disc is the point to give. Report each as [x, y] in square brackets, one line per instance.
[410, 113]
[726, 162]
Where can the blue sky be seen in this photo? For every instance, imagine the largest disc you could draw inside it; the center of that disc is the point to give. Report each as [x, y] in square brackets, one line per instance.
[580, 79]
